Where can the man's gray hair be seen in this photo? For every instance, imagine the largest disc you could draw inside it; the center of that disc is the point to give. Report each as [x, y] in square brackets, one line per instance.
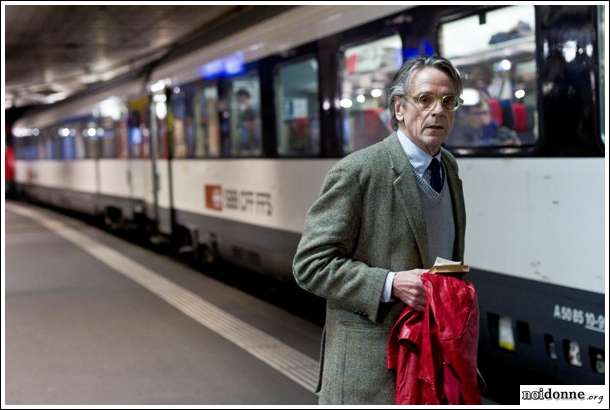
[400, 82]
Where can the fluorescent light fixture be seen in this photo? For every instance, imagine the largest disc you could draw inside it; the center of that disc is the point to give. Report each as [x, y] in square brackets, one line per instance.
[346, 103]
[470, 96]
[505, 65]
[22, 132]
[161, 110]
[50, 99]
[519, 94]
[111, 107]
[159, 98]
[228, 65]
[376, 93]
[158, 86]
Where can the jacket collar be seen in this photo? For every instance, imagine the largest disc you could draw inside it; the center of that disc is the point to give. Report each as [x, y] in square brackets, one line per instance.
[405, 183]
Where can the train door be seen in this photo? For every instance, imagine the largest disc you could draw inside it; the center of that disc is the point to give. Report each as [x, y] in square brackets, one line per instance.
[160, 162]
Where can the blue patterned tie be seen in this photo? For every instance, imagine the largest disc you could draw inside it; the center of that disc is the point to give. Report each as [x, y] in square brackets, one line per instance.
[436, 180]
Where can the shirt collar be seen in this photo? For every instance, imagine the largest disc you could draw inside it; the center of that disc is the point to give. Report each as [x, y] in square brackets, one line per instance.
[419, 159]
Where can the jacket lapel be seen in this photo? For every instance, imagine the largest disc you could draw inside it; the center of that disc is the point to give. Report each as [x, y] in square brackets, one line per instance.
[457, 201]
[406, 186]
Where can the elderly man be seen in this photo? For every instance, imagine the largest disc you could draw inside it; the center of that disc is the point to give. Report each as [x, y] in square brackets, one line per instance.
[384, 214]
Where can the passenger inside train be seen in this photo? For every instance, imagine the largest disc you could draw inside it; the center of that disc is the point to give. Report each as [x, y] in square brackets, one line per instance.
[475, 127]
[246, 120]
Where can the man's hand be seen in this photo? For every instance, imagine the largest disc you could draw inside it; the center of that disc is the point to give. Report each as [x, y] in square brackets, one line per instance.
[407, 286]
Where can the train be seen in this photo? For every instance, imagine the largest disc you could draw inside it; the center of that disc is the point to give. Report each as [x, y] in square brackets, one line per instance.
[222, 148]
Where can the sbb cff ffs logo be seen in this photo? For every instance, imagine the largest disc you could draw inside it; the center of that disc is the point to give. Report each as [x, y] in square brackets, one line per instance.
[213, 197]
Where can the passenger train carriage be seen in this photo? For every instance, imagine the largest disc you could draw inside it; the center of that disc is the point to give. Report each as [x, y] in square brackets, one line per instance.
[224, 148]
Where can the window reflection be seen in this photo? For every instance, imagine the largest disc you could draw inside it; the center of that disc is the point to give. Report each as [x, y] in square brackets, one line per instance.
[498, 69]
[367, 70]
[207, 129]
[178, 120]
[244, 108]
[297, 106]
[138, 129]
[159, 131]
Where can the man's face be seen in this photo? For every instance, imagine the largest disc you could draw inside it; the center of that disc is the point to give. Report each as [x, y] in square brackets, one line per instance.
[479, 116]
[427, 128]
[243, 100]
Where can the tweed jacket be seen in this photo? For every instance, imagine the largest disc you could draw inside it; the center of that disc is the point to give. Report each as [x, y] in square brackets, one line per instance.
[367, 221]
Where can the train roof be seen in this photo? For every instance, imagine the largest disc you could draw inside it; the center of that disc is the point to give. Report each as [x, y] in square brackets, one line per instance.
[84, 104]
[288, 30]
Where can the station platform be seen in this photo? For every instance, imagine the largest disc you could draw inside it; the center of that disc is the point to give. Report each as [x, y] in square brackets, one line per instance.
[93, 319]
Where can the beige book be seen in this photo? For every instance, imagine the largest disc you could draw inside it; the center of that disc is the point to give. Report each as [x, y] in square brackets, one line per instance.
[448, 266]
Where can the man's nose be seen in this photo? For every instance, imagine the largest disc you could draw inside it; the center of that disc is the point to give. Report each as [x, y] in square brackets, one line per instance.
[437, 108]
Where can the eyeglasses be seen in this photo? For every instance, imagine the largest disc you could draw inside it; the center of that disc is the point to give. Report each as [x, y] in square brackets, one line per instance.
[425, 101]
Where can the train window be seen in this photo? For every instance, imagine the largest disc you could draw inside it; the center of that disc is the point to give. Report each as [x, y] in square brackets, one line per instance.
[506, 337]
[89, 132]
[26, 148]
[550, 346]
[523, 332]
[42, 144]
[183, 96]
[46, 148]
[366, 72]
[49, 137]
[67, 134]
[178, 120]
[112, 128]
[597, 359]
[493, 320]
[51, 145]
[137, 128]
[159, 125]
[79, 142]
[498, 67]
[71, 141]
[55, 138]
[207, 125]
[572, 353]
[244, 107]
[121, 138]
[32, 151]
[19, 147]
[106, 133]
[297, 105]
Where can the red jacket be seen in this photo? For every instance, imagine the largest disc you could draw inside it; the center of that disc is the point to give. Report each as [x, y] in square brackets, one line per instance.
[434, 352]
[9, 164]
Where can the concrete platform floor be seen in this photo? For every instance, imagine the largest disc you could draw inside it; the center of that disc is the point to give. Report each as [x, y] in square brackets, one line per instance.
[79, 332]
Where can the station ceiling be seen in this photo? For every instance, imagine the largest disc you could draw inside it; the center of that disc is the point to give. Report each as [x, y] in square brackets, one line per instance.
[52, 52]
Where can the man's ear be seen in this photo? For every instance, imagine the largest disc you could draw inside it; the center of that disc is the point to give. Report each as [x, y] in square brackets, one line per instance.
[399, 109]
